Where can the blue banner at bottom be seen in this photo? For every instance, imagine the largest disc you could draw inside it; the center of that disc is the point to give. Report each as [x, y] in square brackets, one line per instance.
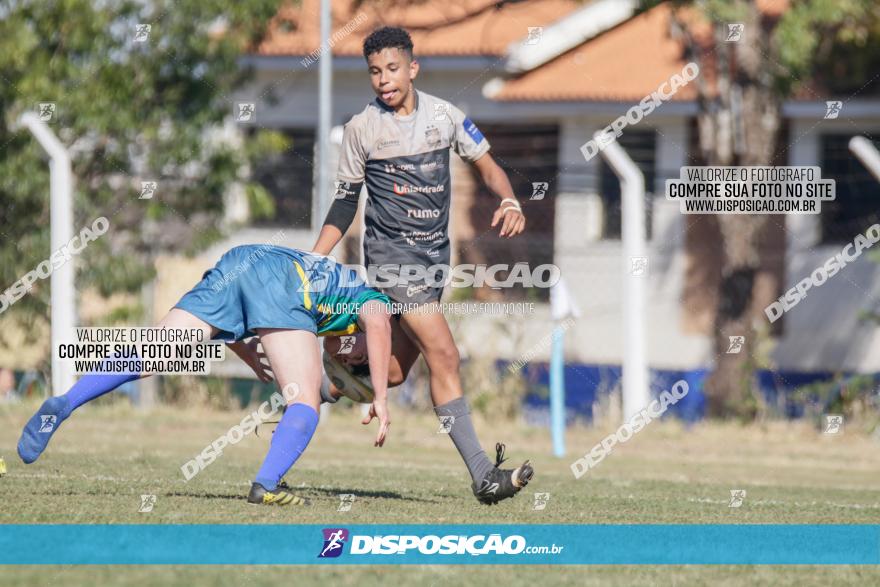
[440, 544]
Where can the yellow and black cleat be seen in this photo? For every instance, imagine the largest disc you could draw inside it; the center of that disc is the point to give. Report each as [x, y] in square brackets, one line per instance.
[281, 495]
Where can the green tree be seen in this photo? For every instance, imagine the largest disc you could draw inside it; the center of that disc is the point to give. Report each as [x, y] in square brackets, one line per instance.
[829, 44]
[129, 109]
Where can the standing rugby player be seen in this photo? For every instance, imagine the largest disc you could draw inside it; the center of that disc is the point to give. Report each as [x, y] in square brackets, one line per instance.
[399, 145]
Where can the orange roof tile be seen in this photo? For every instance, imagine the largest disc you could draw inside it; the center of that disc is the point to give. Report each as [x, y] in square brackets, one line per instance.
[438, 27]
[623, 64]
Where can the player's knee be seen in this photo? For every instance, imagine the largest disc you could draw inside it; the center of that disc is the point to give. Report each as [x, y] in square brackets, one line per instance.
[445, 358]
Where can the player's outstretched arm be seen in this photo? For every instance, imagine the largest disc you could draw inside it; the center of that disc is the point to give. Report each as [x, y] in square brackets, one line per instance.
[253, 358]
[514, 221]
[328, 239]
[375, 319]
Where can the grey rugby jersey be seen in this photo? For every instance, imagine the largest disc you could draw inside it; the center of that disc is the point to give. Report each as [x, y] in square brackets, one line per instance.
[405, 164]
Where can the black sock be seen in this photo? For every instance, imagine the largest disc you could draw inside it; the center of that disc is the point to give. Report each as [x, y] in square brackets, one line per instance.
[465, 438]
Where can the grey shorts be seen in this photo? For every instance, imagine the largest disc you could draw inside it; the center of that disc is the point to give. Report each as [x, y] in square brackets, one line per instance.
[413, 293]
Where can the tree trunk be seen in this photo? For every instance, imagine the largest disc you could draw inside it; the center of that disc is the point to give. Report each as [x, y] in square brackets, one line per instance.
[738, 124]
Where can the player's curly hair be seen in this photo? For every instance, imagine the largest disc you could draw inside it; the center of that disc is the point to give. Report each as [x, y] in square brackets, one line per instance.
[388, 37]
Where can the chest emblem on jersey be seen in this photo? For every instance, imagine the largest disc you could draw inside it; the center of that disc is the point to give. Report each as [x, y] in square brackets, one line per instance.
[432, 136]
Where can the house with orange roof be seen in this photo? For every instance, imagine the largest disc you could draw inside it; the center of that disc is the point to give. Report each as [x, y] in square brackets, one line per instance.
[540, 77]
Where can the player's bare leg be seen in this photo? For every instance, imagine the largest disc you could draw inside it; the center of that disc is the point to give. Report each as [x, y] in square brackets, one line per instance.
[42, 425]
[296, 363]
[430, 333]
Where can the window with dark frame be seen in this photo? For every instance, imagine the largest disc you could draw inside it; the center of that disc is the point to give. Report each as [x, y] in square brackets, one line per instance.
[641, 146]
[529, 154]
[857, 202]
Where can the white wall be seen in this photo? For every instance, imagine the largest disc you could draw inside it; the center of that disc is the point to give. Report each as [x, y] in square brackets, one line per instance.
[595, 268]
[824, 331]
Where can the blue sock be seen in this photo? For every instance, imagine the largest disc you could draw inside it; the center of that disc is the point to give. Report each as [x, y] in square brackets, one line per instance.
[92, 386]
[42, 425]
[291, 438]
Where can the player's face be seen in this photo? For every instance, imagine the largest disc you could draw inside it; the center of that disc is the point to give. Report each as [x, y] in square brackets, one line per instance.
[391, 74]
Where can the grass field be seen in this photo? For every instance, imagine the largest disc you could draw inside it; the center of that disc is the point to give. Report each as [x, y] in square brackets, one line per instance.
[105, 457]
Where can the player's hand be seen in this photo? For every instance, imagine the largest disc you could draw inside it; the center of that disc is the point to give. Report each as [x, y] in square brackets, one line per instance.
[254, 359]
[514, 221]
[379, 409]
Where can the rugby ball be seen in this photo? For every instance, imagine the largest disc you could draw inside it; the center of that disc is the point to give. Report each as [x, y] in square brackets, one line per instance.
[357, 388]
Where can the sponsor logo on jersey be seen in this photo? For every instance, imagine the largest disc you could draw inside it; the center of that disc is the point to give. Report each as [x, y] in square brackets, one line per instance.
[403, 189]
[431, 165]
[410, 213]
[384, 144]
[392, 167]
[441, 111]
[471, 129]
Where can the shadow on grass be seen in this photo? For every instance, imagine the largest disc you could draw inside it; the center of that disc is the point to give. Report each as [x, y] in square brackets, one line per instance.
[305, 491]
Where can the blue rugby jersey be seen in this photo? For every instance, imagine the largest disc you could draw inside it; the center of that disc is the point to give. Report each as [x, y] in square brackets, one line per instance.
[331, 292]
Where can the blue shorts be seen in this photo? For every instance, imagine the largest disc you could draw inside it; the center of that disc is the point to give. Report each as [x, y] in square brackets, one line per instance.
[250, 287]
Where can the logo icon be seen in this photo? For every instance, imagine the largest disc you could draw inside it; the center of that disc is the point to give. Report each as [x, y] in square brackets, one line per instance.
[638, 266]
[147, 503]
[737, 497]
[833, 424]
[832, 109]
[47, 423]
[148, 189]
[416, 289]
[432, 135]
[142, 33]
[489, 487]
[539, 190]
[316, 273]
[735, 344]
[245, 112]
[345, 502]
[446, 423]
[541, 500]
[343, 189]
[441, 111]
[535, 34]
[334, 539]
[735, 32]
[45, 111]
[346, 345]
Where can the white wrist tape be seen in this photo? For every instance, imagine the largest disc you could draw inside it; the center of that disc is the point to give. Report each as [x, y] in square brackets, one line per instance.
[516, 206]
